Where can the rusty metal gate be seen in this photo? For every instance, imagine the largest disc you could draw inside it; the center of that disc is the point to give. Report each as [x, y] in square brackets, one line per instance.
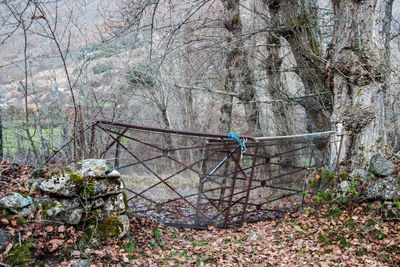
[194, 179]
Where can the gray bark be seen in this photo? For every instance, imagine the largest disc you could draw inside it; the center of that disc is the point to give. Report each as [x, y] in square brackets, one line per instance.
[357, 80]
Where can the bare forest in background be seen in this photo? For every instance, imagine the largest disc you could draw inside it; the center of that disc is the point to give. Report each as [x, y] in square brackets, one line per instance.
[261, 68]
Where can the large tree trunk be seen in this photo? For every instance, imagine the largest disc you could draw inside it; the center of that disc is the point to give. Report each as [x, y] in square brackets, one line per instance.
[282, 123]
[357, 80]
[238, 72]
[298, 26]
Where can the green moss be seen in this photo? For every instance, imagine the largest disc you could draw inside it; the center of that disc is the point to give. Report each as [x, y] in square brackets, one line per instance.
[53, 173]
[109, 228]
[77, 180]
[82, 188]
[20, 220]
[37, 173]
[93, 216]
[90, 231]
[21, 254]
[125, 199]
[4, 211]
[87, 190]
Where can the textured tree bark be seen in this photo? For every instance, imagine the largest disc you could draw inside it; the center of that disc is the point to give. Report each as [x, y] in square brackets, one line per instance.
[238, 72]
[357, 80]
[298, 26]
[273, 64]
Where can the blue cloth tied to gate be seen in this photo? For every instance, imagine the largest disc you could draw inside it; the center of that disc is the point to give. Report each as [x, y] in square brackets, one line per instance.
[236, 137]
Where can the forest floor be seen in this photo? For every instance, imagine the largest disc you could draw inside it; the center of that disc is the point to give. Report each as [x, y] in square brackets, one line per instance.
[320, 235]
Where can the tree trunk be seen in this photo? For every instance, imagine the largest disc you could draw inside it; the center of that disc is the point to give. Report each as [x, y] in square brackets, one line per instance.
[299, 25]
[282, 123]
[357, 80]
[238, 72]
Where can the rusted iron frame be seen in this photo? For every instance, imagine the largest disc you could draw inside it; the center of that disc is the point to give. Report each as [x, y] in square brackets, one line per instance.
[228, 208]
[173, 200]
[178, 132]
[224, 177]
[250, 211]
[220, 164]
[191, 195]
[136, 163]
[200, 184]
[239, 178]
[146, 160]
[164, 180]
[275, 199]
[113, 142]
[197, 172]
[137, 140]
[282, 175]
[170, 131]
[238, 168]
[250, 180]
[233, 182]
[269, 186]
[274, 187]
[146, 198]
[201, 146]
[186, 167]
[149, 169]
[273, 156]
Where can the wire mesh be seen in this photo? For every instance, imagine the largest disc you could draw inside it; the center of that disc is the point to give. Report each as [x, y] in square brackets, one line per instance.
[193, 179]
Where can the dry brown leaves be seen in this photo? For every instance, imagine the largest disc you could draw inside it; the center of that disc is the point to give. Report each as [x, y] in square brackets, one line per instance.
[353, 237]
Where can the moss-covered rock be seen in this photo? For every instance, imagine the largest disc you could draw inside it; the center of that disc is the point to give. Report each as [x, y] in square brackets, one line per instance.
[107, 187]
[114, 205]
[67, 184]
[385, 188]
[64, 184]
[381, 166]
[112, 227]
[96, 167]
[21, 254]
[38, 173]
[4, 239]
[390, 210]
[18, 203]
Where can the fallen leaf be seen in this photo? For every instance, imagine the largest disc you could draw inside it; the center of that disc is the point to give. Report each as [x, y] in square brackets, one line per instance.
[8, 248]
[49, 229]
[4, 221]
[53, 244]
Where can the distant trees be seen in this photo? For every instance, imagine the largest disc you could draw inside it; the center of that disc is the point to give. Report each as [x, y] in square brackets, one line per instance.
[341, 69]
[269, 67]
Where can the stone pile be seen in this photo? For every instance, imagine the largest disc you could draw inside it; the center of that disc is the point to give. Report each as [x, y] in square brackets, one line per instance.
[381, 182]
[89, 193]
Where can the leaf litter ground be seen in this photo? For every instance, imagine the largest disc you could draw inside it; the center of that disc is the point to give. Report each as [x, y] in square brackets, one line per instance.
[320, 235]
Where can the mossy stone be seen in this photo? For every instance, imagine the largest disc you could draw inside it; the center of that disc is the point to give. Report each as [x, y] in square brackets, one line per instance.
[37, 173]
[110, 227]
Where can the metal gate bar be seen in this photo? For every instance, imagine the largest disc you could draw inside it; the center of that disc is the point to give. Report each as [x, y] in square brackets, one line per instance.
[194, 179]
